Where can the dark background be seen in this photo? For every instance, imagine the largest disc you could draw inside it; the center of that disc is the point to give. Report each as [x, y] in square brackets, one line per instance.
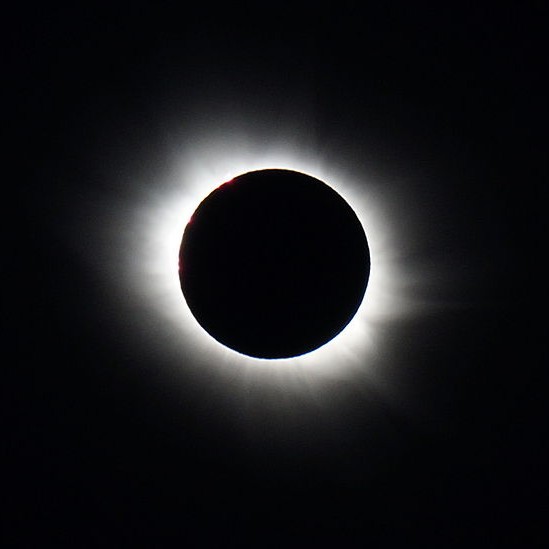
[102, 453]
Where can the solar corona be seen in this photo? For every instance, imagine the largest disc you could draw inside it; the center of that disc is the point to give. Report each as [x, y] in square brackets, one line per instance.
[274, 266]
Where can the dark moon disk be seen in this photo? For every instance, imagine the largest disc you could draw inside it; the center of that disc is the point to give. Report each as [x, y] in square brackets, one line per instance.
[274, 263]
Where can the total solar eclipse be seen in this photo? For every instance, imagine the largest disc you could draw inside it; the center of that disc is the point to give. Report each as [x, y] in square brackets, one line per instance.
[274, 264]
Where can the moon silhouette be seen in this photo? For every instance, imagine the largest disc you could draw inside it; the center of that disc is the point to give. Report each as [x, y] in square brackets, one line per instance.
[274, 264]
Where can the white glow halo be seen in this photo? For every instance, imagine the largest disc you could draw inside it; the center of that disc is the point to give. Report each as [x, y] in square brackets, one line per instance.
[139, 251]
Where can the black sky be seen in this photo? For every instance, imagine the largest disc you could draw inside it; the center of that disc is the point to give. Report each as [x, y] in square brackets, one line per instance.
[444, 105]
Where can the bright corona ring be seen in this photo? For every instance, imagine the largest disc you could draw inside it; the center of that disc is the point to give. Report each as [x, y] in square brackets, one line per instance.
[142, 237]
